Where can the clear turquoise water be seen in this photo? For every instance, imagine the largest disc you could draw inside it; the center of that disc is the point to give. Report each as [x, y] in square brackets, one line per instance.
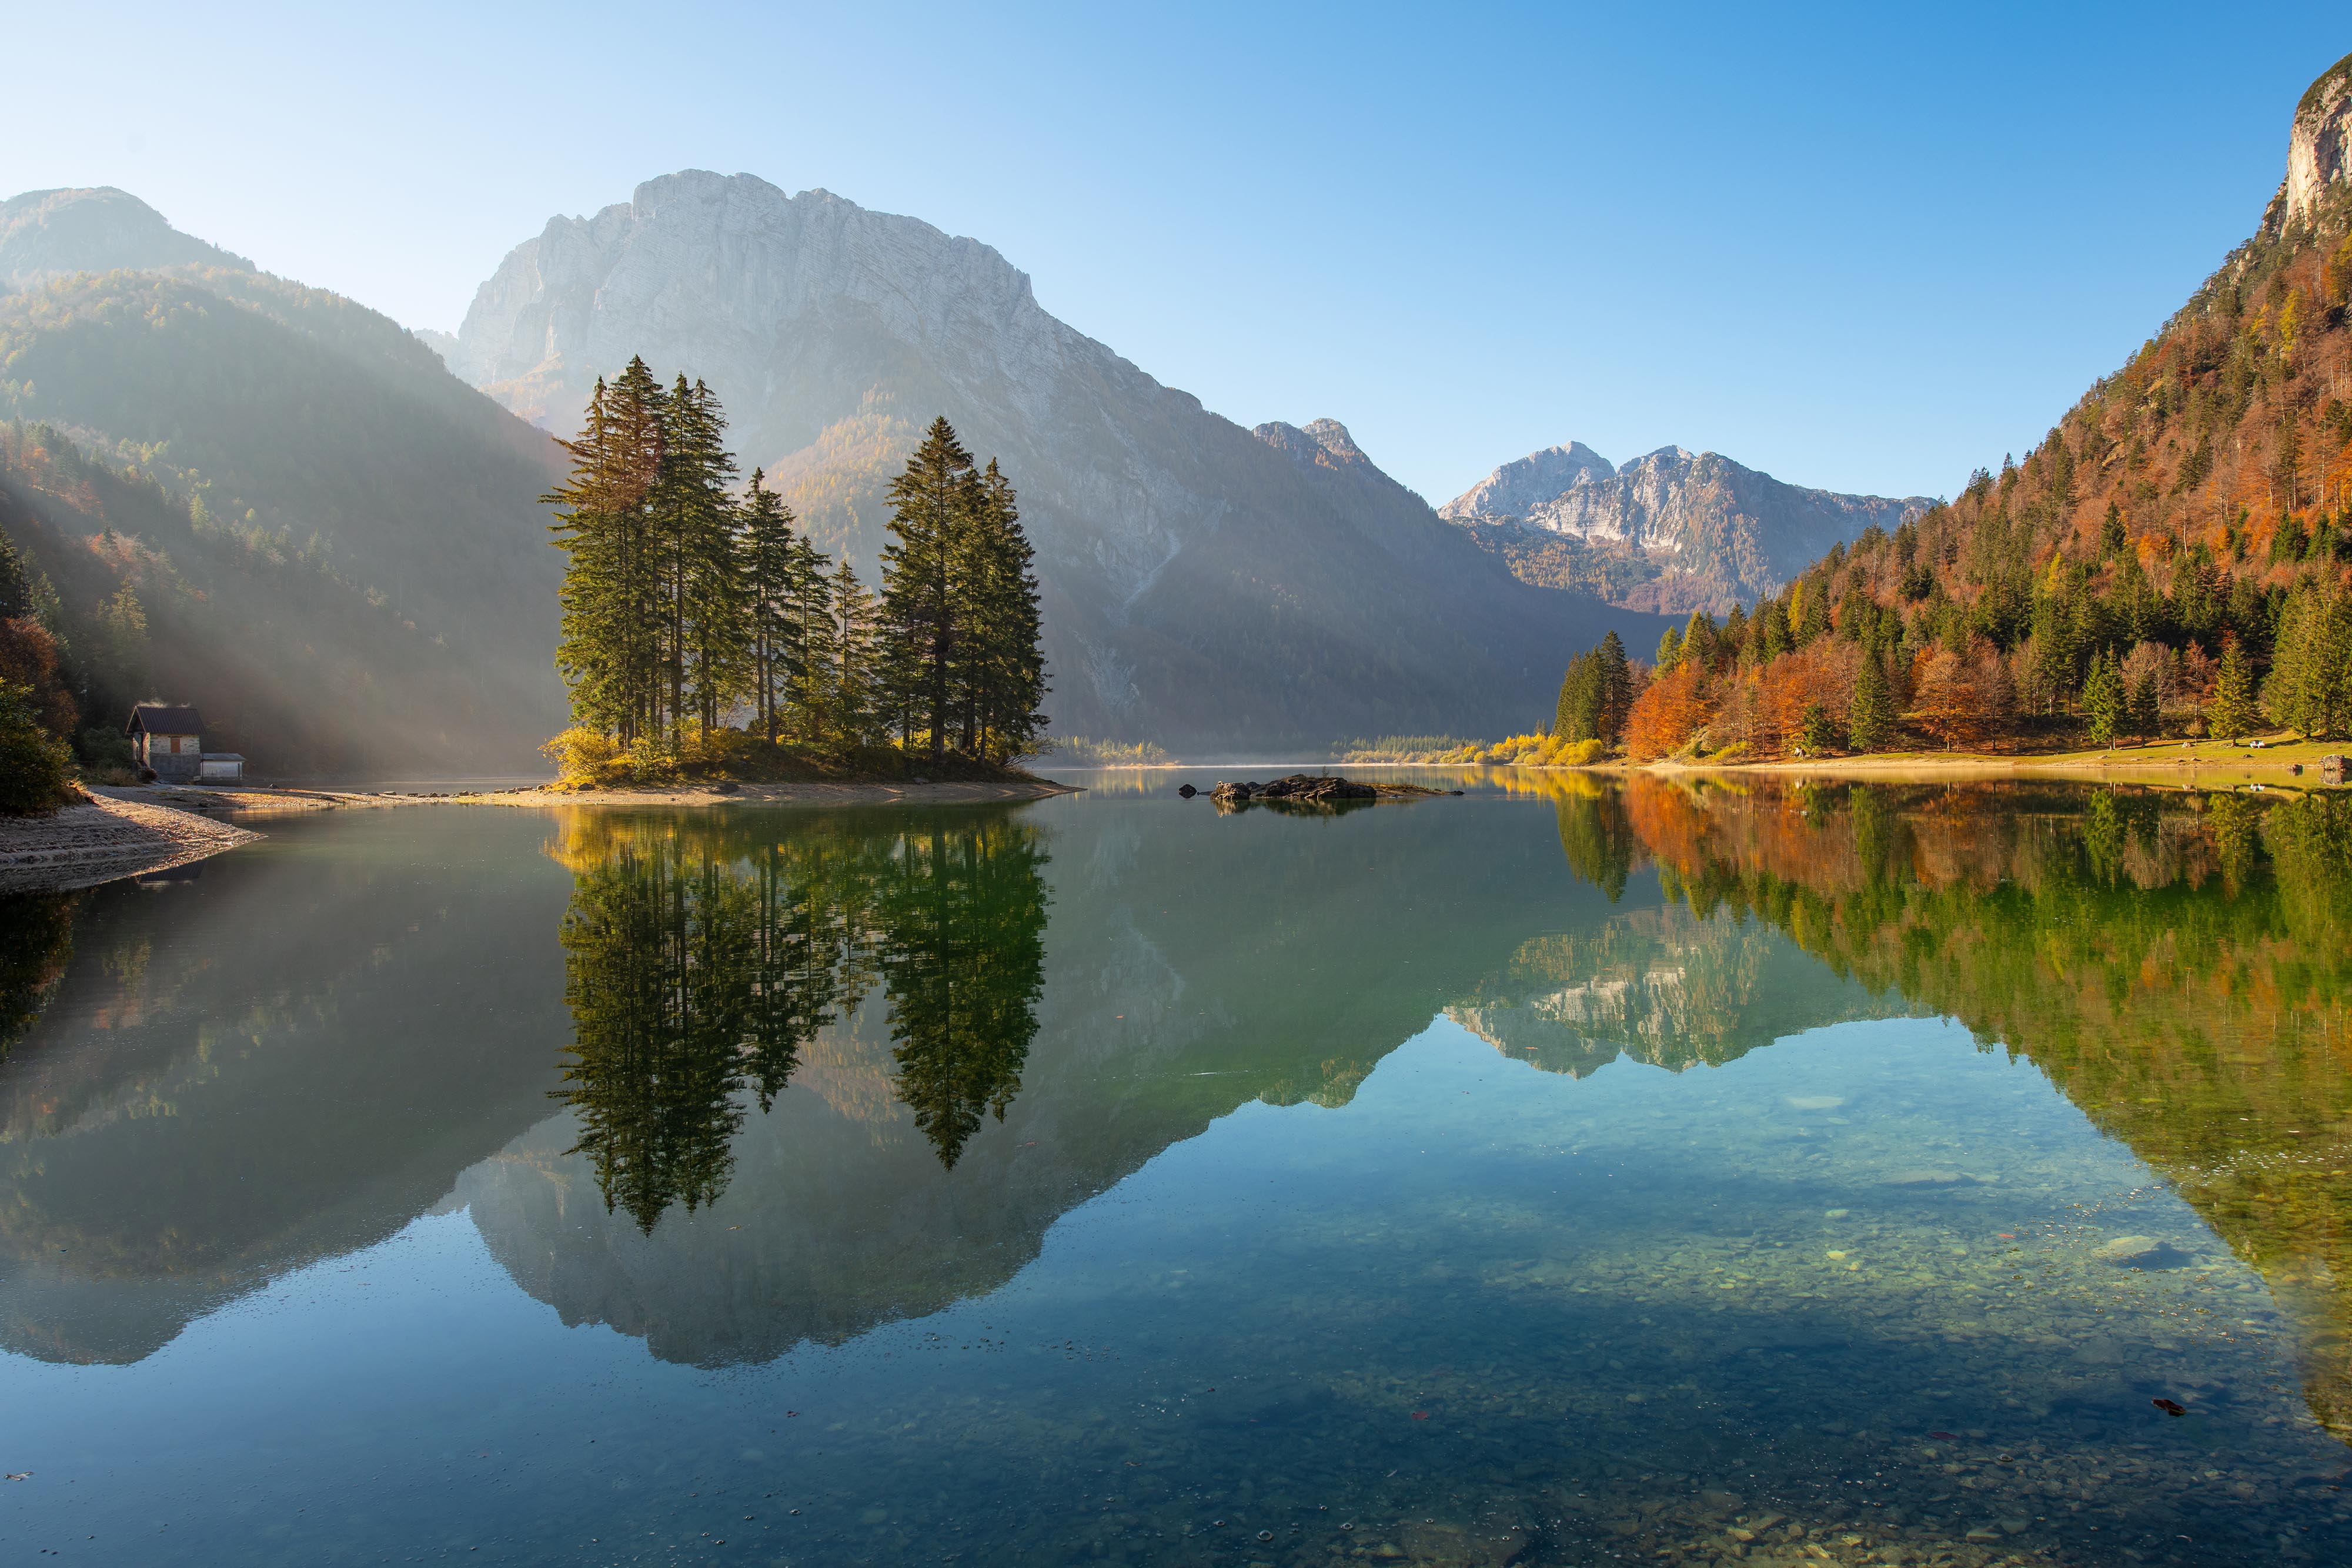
[1374, 1188]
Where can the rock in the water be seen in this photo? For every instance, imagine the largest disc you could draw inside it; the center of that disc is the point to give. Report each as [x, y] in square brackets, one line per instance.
[1298, 790]
[2128, 1250]
[1187, 791]
[1926, 1178]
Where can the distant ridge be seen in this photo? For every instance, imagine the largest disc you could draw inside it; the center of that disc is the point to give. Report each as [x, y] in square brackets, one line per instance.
[48, 234]
[1672, 531]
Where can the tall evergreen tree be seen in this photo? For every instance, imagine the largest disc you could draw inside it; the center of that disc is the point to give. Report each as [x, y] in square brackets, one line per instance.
[1616, 688]
[709, 623]
[929, 503]
[1870, 716]
[2103, 699]
[609, 652]
[1008, 670]
[851, 681]
[2233, 712]
[770, 580]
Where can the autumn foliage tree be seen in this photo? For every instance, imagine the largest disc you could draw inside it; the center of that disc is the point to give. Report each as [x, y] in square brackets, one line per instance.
[1669, 711]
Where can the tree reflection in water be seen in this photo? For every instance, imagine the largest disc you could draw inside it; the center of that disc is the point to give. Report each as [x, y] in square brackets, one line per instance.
[701, 955]
[2178, 961]
[36, 940]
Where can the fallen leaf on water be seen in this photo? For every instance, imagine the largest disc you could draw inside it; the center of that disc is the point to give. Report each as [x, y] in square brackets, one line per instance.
[2170, 1408]
[20, 1475]
[1421, 1415]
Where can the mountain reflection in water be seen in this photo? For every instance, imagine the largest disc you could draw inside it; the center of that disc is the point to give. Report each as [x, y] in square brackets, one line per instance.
[739, 1082]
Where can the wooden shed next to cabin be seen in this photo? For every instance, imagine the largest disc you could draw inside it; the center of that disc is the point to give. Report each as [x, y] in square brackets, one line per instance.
[169, 740]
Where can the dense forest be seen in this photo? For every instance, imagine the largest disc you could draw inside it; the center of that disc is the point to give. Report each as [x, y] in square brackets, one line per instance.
[2171, 561]
[685, 603]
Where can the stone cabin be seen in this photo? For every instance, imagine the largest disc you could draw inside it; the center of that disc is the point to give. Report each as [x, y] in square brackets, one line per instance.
[170, 742]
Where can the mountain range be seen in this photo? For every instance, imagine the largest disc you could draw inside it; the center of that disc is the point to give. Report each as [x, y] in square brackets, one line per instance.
[1204, 585]
[1671, 531]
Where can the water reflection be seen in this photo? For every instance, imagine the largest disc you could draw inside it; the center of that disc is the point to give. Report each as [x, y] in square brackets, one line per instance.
[35, 939]
[833, 1092]
[701, 955]
[2177, 962]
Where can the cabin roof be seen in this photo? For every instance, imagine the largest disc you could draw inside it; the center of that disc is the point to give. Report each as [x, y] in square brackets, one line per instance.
[157, 720]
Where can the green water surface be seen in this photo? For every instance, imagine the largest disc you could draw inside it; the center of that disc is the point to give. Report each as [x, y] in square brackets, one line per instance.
[1565, 1171]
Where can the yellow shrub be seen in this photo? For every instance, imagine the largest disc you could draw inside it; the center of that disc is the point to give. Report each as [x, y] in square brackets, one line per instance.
[581, 756]
[1576, 754]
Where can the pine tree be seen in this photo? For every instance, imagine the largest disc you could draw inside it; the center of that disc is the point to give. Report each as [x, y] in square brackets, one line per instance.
[609, 653]
[2233, 712]
[846, 660]
[2310, 686]
[809, 621]
[709, 625]
[930, 503]
[1870, 716]
[1006, 669]
[770, 583]
[1616, 689]
[2145, 715]
[1577, 715]
[1670, 650]
[2103, 699]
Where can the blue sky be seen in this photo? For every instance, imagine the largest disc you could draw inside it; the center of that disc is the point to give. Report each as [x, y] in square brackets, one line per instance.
[1864, 247]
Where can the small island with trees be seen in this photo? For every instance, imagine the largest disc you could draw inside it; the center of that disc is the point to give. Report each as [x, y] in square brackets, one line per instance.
[706, 637]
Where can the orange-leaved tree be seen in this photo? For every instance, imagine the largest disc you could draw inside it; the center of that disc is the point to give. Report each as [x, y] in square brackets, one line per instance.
[1666, 715]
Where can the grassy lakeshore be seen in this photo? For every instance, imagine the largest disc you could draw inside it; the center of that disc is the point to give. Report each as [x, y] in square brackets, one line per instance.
[2202, 762]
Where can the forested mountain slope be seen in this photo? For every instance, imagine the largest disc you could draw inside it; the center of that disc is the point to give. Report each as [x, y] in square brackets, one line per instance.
[2172, 558]
[1202, 586]
[275, 423]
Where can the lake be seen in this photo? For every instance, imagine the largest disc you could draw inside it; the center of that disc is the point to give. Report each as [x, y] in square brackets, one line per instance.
[1566, 1172]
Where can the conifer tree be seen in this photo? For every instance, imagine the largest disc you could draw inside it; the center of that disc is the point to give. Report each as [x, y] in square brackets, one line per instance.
[2146, 713]
[709, 623]
[1007, 671]
[847, 659]
[2103, 699]
[1616, 688]
[770, 580]
[1577, 715]
[1870, 716]
[2233, 712]
[928, 505]
[609, 654]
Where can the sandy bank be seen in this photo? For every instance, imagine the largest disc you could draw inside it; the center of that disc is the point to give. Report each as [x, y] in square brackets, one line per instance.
[105, 839]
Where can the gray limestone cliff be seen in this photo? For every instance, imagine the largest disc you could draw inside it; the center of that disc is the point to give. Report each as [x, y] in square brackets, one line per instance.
[2319, 142]
[1201, 583]
[1680, 531]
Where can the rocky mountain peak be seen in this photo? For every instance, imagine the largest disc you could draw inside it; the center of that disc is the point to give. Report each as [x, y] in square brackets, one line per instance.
[45, 233]
[1322, 443]
[2319, 143]
[1518, 488]
[711, 274]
